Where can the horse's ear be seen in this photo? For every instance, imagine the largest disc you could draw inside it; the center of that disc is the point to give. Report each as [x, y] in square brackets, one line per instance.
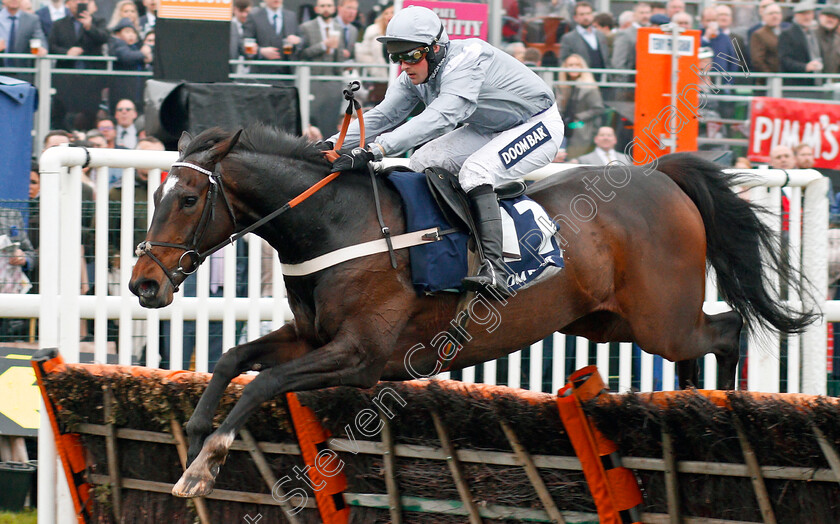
[185, 139]
[221, 150]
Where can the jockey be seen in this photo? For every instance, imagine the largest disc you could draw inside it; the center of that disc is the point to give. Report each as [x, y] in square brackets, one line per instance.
[511, 125]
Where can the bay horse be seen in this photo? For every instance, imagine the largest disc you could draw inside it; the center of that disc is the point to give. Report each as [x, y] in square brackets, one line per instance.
[635, 263]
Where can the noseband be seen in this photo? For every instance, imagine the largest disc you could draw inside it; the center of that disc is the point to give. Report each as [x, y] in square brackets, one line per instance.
[207, 214]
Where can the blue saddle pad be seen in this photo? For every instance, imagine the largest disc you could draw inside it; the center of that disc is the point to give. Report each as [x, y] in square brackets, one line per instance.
[440, 266]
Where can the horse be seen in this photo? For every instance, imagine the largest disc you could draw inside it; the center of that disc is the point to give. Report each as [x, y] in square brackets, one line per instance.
[636, 241]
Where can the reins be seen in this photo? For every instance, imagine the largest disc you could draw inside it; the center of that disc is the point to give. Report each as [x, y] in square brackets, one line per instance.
[216, 187]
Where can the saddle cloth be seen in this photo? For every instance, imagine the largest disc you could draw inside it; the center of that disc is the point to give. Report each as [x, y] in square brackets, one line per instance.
[529, 245]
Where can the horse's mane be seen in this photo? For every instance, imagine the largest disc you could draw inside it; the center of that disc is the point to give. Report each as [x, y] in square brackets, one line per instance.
[261, 139]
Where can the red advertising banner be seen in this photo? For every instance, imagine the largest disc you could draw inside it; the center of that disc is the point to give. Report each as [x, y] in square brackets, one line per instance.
[461, 19]
[776, 121]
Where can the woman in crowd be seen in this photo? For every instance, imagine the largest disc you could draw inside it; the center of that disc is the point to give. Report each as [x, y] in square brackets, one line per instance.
[369, 51]
[124, 9]
[580, 104]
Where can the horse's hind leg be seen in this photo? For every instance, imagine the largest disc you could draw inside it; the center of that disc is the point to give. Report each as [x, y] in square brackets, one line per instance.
[719, 334]
[727, 347]
[265, 352]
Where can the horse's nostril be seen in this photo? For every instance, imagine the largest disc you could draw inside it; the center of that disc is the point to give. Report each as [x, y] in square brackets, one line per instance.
[147, 288]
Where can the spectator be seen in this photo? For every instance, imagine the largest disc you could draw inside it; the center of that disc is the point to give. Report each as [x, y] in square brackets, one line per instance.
[624, 48]
[109, 131]
[81, 34]
[532, 57]
[625, 20]
[605, 153]
[53, 10]
[799, 51]
[273, 27]
[657, 8]
[96, 139]
[322, 42]
[683, 20]
[585, 40]
[580, 104]
[17, 258]
[321, 36]
[743, 163]
[516, 50]
[764, 42]
[781, 157]
[17, 27]
[147, 21]
[605, 23]
[126, 132]
[349, 33]
[56, 137]
[762, 5]
[829, 19]
[673, 7]
[371, 51]
[717, 35]
[803, 156]
[124, 9]
[241, 10]
[34, 219]
[125, 45]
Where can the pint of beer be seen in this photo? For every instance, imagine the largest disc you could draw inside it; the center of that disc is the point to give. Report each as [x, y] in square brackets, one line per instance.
[250, 45]
[35, 46]
[287, 47]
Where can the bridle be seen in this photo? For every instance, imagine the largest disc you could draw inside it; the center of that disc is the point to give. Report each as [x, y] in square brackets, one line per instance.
[217, 188]
[191, 253]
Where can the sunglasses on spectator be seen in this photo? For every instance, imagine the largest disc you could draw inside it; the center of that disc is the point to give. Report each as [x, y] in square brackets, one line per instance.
[409, 57]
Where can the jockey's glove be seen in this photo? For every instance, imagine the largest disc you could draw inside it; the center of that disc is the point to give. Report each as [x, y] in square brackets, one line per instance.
[356, 160]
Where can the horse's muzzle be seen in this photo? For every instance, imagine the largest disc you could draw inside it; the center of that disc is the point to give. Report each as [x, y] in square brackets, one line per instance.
[148, 291]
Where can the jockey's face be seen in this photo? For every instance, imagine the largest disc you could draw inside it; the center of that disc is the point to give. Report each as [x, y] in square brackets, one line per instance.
[419, 72]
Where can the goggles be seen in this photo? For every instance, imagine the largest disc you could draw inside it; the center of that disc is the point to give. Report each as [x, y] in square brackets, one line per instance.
[409, 57]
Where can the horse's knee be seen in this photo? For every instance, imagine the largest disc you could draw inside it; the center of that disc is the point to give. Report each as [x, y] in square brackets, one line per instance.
[228, 365]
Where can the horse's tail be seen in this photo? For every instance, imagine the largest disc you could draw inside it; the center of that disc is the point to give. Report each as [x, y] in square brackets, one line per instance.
[738, 244]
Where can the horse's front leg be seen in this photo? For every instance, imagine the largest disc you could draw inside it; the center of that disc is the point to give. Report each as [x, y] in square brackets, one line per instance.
[344, 361]
[280, 346]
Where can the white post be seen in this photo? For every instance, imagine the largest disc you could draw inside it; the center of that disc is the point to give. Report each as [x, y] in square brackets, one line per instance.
[815, 273]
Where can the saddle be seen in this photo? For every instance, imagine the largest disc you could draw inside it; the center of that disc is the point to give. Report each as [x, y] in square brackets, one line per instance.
[452, 200]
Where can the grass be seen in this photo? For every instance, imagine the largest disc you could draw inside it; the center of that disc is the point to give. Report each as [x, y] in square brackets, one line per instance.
[26, 517]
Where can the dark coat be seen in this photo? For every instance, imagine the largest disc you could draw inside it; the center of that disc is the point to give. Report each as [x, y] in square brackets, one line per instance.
[46, 19]
[63, 37]
[764, 51]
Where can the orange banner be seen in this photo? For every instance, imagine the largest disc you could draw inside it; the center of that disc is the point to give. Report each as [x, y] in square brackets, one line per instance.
[196, 9]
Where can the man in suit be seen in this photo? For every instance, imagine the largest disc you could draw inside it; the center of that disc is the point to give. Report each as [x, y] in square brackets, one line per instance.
[79, 34]
[147, 21]
[799, 51]
[624, 47]
[762, 5]
[323, 42]
[54, 10]
[17, 27]
[272, 27]
[604, 152]
[347, 12]
[585, 40]
[764, 42]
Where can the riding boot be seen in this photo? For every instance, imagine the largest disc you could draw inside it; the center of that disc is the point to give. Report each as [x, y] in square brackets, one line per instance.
[492, 273]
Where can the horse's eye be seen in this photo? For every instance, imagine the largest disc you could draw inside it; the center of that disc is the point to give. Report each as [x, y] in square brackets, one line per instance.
[190, 201]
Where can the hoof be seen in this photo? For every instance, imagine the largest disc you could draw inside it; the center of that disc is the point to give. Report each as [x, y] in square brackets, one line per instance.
[189, 486]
